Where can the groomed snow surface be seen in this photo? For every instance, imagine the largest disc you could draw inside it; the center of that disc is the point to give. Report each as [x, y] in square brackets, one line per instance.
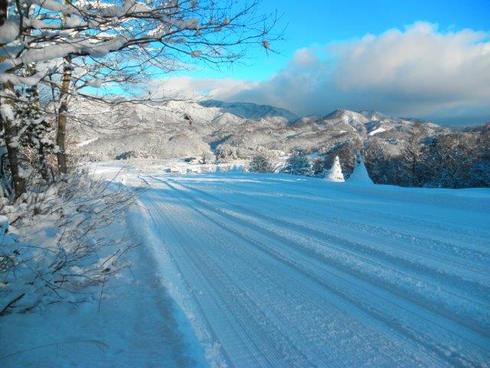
[283, 271]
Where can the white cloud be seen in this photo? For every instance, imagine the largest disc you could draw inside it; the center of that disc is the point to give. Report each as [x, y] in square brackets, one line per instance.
[196, 88]
[419, 71]
[420, 66]
[304, 56]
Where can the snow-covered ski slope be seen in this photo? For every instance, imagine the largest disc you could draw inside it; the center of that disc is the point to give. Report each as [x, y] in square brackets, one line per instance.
[284, 271]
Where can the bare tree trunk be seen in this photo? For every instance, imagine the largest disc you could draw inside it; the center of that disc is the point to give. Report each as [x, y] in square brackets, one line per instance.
[3, 11]
[62, 111]
[13, 156]
[43, 164]
[8, 125]
[12, 142]
[43, 160]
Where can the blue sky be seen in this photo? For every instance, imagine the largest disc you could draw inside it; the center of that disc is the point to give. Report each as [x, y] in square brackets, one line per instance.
[425, 59]
[311, 23]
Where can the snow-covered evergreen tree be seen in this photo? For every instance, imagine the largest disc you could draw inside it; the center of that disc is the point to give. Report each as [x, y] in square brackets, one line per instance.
[335, 173]
[360, 174]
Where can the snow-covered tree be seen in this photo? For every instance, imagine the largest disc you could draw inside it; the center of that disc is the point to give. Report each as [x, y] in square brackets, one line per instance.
[412, 154]
[335, 173]
[318, 167]
[10, 130]
[260, 163]
[37, 134]
[360, 174]
[449, 160]
[298, 163]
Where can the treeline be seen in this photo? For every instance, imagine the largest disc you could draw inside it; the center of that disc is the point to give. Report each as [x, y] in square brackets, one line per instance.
[452, 160]
[458, 159]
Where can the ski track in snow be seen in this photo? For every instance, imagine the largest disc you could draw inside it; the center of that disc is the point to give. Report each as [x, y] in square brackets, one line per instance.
[278, 272]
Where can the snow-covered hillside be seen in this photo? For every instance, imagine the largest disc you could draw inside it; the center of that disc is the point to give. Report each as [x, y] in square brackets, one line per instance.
[176, 129]
[199, 128]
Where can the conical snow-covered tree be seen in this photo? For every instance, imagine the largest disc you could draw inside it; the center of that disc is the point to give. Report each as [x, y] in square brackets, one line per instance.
[360, 174]
[335, 173]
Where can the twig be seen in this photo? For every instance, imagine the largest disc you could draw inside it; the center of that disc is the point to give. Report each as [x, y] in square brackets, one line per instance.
[11, 303]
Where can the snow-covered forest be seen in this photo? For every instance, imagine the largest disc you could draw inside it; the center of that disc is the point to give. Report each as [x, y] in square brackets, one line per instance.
[142, 228]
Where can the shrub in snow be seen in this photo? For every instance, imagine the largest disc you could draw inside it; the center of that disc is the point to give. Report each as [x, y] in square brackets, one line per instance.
[260, 163]
[127, 155]
[298, 163]
[56, 245]
[207, 158]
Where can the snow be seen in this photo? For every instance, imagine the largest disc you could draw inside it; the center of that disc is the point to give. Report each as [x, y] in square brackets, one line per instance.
[128, 321]
[9, 31]
[136, 324]
[272, 270]
[377, 130]
[6, 112]
[86, 142]
[95, 83]
[287, 271]
[280, 256]
[4, 224]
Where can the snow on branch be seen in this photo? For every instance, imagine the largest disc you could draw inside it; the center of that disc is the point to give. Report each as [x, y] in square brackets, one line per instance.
[51, 29]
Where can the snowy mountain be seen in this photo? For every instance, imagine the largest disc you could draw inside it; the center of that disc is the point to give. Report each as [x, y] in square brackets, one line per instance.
[230, 131]
[182, 128]
[174, 129]
[250, 110]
